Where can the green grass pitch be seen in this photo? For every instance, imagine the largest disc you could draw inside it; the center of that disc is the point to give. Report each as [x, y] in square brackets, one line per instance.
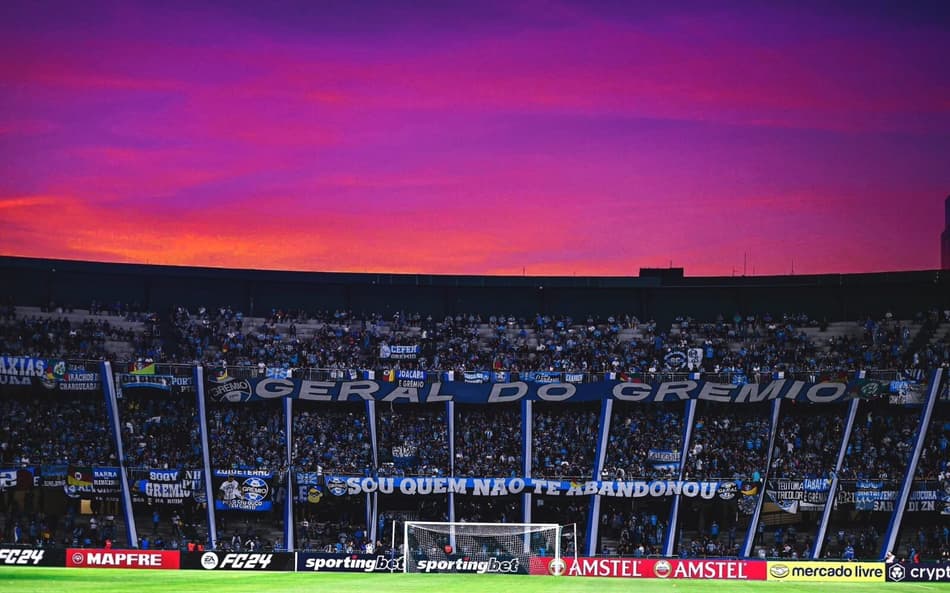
[84, 580]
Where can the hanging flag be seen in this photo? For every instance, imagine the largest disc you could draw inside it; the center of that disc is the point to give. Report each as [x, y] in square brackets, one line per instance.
[147, 369]
[79, 476]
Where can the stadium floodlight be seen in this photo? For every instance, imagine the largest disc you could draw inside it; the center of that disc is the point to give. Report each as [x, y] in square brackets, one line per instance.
[478, 547]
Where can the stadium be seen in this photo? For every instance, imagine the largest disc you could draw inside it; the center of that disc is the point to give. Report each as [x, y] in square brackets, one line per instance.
[318, 423]
[531, 295]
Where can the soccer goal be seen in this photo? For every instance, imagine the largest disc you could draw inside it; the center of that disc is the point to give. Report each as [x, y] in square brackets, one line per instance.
[478, 547]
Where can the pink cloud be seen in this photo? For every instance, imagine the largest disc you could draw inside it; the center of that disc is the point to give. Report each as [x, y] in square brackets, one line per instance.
[576, 143]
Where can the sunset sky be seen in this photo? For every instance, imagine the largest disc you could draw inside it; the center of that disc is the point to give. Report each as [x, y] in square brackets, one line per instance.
[554, 138]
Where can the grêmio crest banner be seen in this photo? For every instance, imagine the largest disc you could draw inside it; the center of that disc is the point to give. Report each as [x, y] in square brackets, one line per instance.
[540, 388]
[243, 490]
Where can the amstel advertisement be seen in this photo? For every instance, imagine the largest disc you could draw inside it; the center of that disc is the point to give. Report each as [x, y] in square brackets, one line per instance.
[649, 568]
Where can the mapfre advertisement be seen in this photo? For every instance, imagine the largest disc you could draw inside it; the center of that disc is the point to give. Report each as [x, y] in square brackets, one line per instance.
[855, 572]
[649, 568]
[82, 558]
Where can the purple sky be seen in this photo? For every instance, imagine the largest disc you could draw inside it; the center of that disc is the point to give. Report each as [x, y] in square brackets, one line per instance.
[489, 138]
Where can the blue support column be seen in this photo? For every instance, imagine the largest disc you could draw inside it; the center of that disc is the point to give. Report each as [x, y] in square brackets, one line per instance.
[894, 527]
[450, 429]
[670, 538]
[374, 528]
[372, 500]
[369, 514]
[289, 502]
[112, 407]
[593, 518]
[205, 453]
[750, 532]
[371, 419]
[526, 438]
[833, 488]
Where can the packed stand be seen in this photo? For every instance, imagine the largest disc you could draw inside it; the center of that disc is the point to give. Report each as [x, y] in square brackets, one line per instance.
[488, 441]
[564, 440]
[57, 334]
[934, 462]
[643, 442]
[51, 429]
[223, 336]
[247, 436]
[808, 440]
[741, 345]
[729, 443]
[881, 442]
[160, 432]
[413, 440]
[331, 439]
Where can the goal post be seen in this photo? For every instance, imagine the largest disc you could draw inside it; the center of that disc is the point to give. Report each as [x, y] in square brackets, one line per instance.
[480, 548]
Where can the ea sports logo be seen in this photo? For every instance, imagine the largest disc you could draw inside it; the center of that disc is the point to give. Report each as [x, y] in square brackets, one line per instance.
[557, 567]
[896, 572]
[209, 561]
[78, 558]
[663, 568]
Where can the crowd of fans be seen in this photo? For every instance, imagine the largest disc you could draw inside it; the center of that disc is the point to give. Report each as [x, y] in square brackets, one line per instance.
[808, 441]
[643, 442]
[30, 526]
[637, 533]
[851, 543]
[292, 339]
[564, 439]
[881, 442]
[51, 428]
[247, 437]
[332, 439]
[491, 509]
[413, 440]
[160, 432]
[934, 462]
[488, 441]
[729, 442]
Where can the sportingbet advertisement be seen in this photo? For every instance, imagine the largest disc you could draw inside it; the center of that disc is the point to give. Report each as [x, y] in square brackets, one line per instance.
[320, 562]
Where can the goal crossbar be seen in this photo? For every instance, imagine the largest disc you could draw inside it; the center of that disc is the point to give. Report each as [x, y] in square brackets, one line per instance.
[440, 546]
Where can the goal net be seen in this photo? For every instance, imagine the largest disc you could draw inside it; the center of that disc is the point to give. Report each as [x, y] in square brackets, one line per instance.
[478, 547]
